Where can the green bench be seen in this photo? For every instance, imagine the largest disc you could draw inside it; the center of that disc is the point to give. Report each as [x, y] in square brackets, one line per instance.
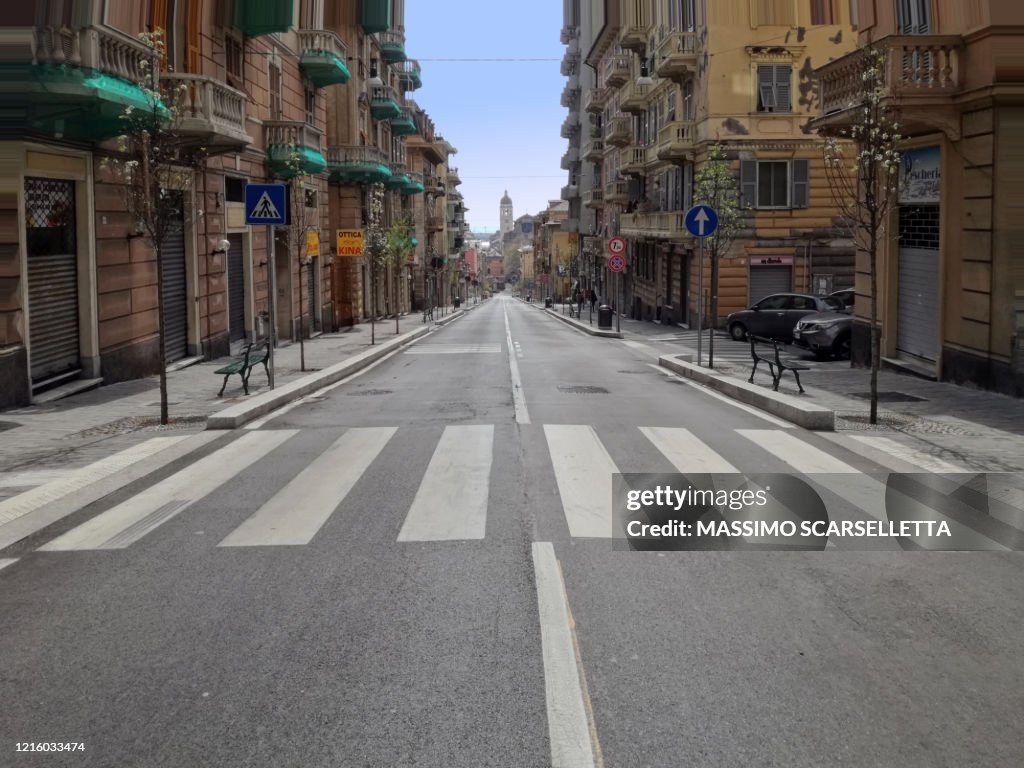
[254, 354]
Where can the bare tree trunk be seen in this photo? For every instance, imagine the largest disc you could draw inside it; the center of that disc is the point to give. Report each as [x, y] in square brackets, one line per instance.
[158, 248]
[373, 304]
[876, 357]
[302, 319]
[714, 306]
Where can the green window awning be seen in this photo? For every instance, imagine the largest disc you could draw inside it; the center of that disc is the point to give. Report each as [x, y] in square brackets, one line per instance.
[281, 160]
[412, 188]
[397, 181]
[403, 125]
[323, 68]
[263, 17]
[375, 15]
[384, 109]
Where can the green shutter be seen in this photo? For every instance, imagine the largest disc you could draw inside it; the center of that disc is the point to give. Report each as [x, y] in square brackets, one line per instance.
[783, 88]
[375, 15]
[748, 182]
[263, 17]
[801, 185]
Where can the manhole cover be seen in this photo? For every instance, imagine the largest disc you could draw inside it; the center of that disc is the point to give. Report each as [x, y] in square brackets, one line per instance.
[582, 390]
[8, 425]
[634, 371]
[370, 392]
[890, 397]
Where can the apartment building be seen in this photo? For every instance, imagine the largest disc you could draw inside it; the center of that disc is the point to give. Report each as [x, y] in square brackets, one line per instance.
[662, 82]
[951, 269]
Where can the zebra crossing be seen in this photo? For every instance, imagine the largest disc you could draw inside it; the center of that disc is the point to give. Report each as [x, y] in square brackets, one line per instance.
[454, 495]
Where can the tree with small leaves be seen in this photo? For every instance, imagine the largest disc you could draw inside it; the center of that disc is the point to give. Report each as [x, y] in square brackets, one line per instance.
[156, 163]
[862, 166]
[400, 247]
[375, 249]
[716, 184]
[303, 221]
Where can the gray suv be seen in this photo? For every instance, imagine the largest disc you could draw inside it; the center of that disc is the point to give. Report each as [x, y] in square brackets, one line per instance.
[775, 316]
[828, 333]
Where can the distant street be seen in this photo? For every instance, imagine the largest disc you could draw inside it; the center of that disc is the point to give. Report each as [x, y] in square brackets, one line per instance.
[415, 569]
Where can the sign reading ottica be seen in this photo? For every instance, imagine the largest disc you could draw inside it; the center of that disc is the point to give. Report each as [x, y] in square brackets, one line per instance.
[350, 242]
[920, 176]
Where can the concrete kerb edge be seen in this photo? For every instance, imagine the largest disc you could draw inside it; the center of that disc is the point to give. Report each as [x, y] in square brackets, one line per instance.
[585, 328]
[262, 404]
[807, 415]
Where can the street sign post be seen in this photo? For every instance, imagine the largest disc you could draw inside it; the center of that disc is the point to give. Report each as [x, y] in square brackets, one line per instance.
[701, 221]
[268, 204]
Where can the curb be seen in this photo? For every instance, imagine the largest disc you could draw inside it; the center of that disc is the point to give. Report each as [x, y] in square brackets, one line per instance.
[585, 328]
[788, 407]
[262, 404]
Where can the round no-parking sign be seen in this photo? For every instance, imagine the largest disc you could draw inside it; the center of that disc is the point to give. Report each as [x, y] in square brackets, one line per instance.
[616, 263]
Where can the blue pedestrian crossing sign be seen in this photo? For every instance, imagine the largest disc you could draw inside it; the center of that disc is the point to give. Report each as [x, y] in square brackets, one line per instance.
[701, 221]
[266, 204]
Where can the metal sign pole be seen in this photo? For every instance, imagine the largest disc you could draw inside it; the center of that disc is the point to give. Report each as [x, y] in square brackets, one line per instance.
[272, 304]
[618, 302]
[700, 300]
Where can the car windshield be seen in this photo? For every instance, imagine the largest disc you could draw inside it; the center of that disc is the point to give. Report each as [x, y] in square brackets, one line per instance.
[833, 303]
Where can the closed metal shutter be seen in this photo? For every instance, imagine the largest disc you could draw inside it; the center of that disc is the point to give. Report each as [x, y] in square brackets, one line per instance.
[764, 281]
[917, 310]
[236, 289]
[174, 294]
[311, 285]
[52, 277]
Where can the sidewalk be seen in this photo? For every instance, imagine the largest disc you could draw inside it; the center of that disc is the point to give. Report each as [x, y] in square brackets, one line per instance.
[40, 442]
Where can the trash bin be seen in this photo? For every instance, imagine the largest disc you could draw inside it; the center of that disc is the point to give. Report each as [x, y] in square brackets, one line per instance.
[547, 302]
[604, 317]
[458, 302]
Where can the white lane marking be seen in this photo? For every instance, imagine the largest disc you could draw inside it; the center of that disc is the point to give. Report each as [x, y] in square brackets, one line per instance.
[321, 392]
[686, 451]
[518, 396]
[7, 561]
[295, 514]
[910, 455]
[718, 396]
[32, 477]
[29, 501]
[451, 503]
[640, 347]
[519, 351]
[583, 471]
[569, 727]
[134, 518]
[454, 349]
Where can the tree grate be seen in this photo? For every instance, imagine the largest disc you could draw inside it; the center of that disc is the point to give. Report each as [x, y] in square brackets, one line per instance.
[890, 397]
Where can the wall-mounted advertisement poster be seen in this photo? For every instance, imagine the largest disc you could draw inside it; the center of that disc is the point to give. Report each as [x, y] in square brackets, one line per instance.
[920, 176]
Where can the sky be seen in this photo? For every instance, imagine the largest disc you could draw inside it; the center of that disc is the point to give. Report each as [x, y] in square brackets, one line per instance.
[503, 117]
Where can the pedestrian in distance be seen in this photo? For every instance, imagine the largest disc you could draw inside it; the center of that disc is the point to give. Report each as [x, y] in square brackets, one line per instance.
[579, 303]
[593, 299]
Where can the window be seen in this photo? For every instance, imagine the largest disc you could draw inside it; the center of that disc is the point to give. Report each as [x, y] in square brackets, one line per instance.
[775, 183]
[275, 91]
[311, 197]
[779, 301]
[804, 302]
[310, 104]
[234, 189]
[681, 15]
[235, 60]
[914, 17]
[688, 100]
[311, 15]
[773, 88]
[821, 12]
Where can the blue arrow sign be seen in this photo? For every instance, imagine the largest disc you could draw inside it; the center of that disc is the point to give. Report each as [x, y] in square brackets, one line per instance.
[701, 221]
[266, 204]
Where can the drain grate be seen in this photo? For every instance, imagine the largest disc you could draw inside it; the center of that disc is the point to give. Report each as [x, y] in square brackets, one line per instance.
[369, 392]
[890, 397]
[582, 389]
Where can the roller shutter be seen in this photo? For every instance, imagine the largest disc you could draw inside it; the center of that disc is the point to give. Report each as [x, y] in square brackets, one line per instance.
[236, 289]
[174, 294]
[764, 281]
[917, 309]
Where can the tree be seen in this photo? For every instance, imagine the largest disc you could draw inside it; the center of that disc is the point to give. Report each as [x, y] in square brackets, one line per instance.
[302, 222]
[862, 167]
[717, 185]
[156, 163]
[399, 248]
[376, 249]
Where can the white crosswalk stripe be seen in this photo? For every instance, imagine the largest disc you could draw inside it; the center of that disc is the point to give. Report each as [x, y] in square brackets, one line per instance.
[453, 497]
[131, 520]
[454, 349]
[451, 502]
[295, 514]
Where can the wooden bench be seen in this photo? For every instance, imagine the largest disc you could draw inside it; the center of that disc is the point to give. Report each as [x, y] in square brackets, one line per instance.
[254, 354]
[776, 365]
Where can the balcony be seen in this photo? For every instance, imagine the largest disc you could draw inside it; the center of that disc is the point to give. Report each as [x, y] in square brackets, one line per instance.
[323, 57]
[384, 103]
[634, 161]
[616, 192]
[399, 176]
[676, 57]
[619, 131]
[415, 185]
[392, 45]
[595, 99]
[922, 75]
[432, 184]
[433, 223]
[635, 97]
[265, 17]
[74, 83]
[593, 150]
[634, 37]
[571, 158]
[405, 123]
[593, 198]
[293, 148]
[676, 140]
[571, 58]
[571, 125]
[571, 94]
[569, 32]
[570, 191]
[453, 177]
[409, 75]
[357, 165]
[616, 70]
[210, 113]
[663, 225]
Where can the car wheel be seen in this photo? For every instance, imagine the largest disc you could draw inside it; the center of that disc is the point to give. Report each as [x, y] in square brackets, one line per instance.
[841, 348]
[738, 332]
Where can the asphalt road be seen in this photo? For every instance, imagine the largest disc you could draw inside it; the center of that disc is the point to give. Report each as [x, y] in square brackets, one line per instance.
[413, 570]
